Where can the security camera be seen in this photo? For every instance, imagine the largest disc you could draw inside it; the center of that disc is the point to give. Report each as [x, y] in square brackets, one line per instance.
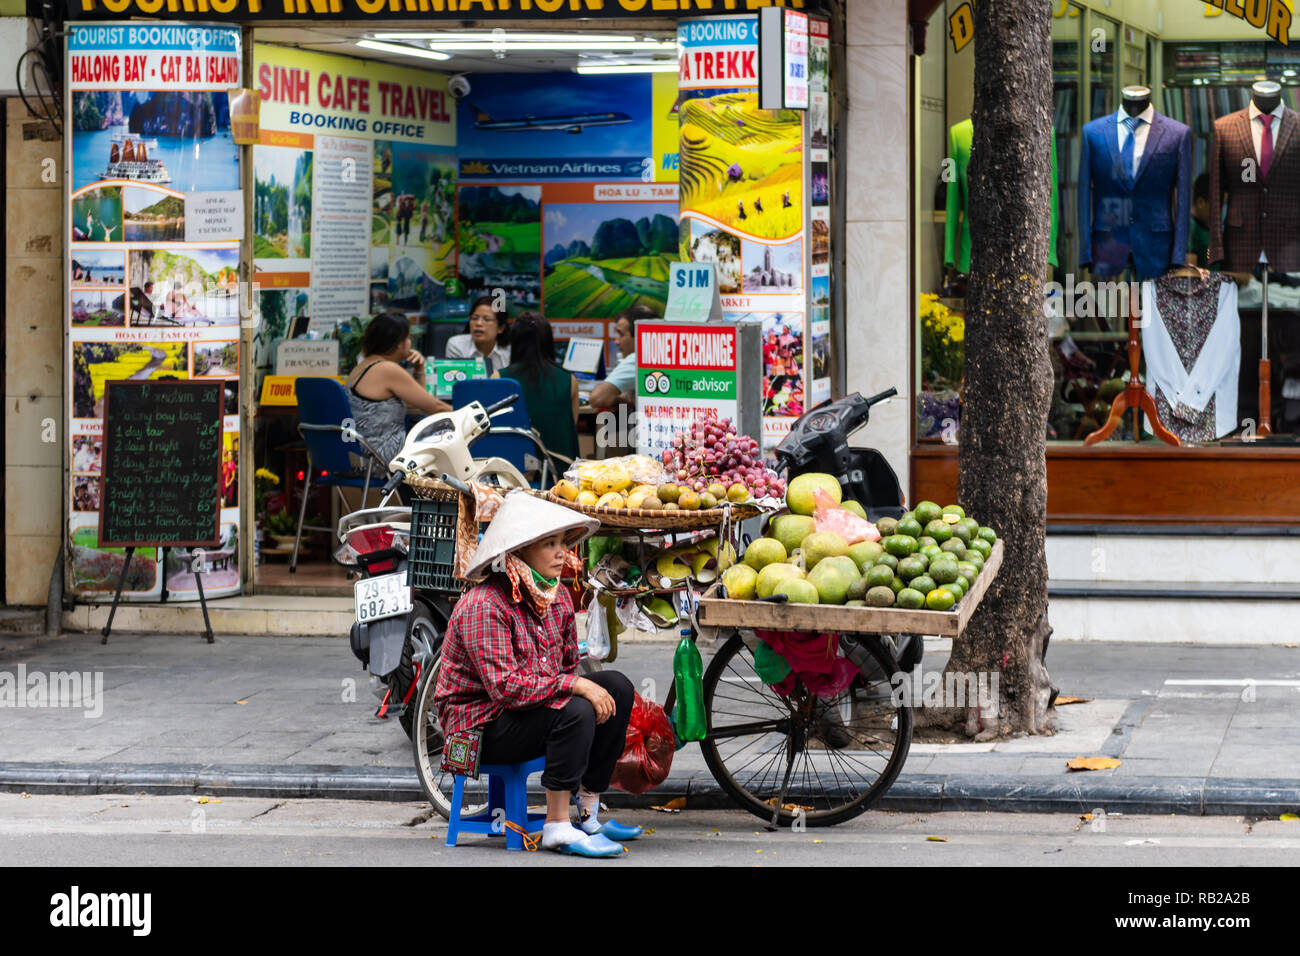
[458, 86]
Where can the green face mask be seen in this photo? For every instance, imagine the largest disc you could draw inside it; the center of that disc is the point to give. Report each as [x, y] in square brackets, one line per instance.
[547, 583]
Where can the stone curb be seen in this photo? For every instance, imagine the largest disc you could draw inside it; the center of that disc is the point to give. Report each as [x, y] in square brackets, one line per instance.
[1077, 794]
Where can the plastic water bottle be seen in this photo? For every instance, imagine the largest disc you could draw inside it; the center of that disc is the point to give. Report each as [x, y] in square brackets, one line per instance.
[687, 671]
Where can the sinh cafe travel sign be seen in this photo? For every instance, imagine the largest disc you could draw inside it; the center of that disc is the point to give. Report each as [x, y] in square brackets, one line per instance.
[272, 10]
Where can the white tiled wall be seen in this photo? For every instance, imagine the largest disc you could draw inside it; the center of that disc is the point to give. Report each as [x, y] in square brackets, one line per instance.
[876, 231]
[33, 329]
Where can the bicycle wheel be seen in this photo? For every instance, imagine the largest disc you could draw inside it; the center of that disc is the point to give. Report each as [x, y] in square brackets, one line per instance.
[426, 742]
[842, 754]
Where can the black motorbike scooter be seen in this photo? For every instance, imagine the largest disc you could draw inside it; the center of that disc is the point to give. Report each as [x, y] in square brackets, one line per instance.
[819, 442]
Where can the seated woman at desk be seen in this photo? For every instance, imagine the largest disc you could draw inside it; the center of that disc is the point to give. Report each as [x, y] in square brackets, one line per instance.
[486, 336]
[380, 388]
[550, 392]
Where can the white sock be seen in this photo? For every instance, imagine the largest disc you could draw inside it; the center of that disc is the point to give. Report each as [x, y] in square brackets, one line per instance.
[560, 834]
[588, 811]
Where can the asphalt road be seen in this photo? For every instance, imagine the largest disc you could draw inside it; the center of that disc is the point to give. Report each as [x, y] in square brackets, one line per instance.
[123, 830]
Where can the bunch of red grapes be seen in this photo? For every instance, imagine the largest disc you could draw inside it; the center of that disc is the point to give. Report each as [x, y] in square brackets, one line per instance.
[712, 451]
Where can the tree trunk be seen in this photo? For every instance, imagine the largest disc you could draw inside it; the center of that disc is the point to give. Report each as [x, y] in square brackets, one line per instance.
[1006, 394]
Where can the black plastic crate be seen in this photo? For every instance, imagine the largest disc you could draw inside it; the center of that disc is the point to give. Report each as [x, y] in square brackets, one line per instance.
[432, 555]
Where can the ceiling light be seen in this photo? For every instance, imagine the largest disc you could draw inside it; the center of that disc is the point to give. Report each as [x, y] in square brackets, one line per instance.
[498, 46]
[403, 50]
[629, 68]
[465, 36]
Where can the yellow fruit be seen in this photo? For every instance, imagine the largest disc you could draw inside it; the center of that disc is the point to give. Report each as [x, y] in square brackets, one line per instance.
[642, 490]
[611, 500]
[586, 498]
[688, 501]
[651, 503]
[611, 480]
[636, 499]
[566, 490]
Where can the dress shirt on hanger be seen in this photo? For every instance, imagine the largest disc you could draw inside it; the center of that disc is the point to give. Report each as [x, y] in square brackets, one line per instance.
[1191, 340]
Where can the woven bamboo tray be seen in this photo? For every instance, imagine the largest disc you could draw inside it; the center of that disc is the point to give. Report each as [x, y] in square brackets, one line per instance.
[659, 520]
[716, 611]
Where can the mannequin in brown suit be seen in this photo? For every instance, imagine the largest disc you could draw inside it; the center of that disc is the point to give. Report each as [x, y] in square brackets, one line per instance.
[1263, 205]
[1255, 159]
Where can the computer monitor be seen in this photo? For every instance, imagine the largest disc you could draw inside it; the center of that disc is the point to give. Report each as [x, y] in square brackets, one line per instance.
[585, 358]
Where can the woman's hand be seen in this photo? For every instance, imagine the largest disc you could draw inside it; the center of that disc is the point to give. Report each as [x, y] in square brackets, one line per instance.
[597, 696]
[416, 361]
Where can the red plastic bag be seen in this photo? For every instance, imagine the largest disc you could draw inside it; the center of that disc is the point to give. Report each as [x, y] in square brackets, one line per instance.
[648, 754]
[828, 516]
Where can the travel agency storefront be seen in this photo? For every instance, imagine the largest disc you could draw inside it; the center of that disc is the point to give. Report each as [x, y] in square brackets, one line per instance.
[248, 255]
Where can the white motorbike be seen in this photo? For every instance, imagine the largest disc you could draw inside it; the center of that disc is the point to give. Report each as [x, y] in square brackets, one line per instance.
[397, 634]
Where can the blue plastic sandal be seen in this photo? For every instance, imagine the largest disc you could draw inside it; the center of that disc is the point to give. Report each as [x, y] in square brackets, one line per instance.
[620, 831]
[594, 845]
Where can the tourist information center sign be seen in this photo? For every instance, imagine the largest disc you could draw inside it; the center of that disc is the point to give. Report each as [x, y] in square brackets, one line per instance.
[684, 373]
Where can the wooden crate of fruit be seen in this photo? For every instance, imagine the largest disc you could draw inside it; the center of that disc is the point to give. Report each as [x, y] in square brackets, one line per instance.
[715, 611]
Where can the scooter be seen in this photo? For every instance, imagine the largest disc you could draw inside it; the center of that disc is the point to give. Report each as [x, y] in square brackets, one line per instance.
[819, 442]
[397, 633]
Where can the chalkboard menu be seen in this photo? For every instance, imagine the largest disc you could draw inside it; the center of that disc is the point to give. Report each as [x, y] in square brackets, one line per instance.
[162, 464]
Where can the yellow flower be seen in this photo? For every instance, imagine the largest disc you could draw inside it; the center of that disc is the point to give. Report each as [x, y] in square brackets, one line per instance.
[267, 474]
[958, 334]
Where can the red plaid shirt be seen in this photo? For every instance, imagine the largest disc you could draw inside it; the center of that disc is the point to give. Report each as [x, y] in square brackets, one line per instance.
[498, 655]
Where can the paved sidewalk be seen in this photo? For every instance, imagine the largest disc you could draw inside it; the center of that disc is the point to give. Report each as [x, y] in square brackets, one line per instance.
[292, 717]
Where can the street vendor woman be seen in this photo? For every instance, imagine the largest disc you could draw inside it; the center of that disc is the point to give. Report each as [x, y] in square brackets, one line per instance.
[509, 670]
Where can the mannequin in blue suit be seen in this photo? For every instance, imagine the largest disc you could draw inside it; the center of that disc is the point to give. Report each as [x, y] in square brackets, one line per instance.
[1142, 215]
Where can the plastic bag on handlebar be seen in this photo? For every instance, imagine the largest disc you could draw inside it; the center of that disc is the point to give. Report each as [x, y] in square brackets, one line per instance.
[828, 516]
[648, 753]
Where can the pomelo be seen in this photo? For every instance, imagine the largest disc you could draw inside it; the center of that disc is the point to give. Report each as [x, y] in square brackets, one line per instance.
[790, 530]
[740, 580]
[832, 579]
[865, 554]
[764, 551]
[799, 493]
[772, 575]
[798, 590]
[820, 545]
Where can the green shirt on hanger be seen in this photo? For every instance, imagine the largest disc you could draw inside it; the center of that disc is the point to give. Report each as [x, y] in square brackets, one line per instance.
[956, 242]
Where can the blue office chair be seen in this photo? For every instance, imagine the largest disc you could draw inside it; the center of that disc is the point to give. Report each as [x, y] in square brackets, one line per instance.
[511, 436]
[323, 408]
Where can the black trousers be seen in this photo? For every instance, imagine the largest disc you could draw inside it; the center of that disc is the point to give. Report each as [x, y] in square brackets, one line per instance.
[577, 749]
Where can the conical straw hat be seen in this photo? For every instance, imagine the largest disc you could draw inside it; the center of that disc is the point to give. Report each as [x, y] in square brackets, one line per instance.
[522, 520]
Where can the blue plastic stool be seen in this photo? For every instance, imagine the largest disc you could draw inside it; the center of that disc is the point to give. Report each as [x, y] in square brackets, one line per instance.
[508, 790]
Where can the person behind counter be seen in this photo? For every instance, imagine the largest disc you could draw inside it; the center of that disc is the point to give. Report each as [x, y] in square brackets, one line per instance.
[550, 392]
[486, 336]
[380, 388]
[620, 384]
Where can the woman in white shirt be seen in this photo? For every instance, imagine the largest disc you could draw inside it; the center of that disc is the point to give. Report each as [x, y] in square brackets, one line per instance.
[487, 336]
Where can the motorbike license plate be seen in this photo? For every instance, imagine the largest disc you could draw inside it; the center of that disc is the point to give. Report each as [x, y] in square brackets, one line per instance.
[381, 597]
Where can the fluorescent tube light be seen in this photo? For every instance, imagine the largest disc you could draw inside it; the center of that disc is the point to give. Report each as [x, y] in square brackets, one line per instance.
[629, 68]
[403, 50]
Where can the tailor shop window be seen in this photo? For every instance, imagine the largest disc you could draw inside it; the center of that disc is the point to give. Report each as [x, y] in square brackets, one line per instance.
[1116, 236]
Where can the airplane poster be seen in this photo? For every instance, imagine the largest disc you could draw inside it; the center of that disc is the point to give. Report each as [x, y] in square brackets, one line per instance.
[570, 127]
